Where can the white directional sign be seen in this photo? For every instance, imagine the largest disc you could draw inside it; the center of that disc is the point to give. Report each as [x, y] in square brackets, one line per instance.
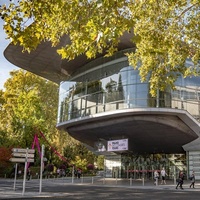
[21, 160]
[23, 155]
[18, 150]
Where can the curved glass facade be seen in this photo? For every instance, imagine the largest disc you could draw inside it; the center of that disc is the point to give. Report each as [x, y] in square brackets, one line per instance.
[116, 85]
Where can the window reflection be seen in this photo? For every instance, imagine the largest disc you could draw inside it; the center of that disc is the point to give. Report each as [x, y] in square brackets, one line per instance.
[118, 86]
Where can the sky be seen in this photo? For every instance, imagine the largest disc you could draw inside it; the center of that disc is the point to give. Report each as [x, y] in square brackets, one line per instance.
[5, 65]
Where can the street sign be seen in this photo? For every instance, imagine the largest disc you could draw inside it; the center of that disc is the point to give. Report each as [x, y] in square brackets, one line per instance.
[21, 160]
[18, 150]
[23, 155]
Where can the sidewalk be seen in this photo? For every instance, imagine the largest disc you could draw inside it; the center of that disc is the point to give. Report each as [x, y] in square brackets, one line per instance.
[9, 193]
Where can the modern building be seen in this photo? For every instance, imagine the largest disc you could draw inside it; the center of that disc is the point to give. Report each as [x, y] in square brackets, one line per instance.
[103, 104]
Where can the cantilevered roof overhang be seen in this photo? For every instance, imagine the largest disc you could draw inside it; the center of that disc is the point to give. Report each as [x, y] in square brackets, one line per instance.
[149, 130]
[45, 61]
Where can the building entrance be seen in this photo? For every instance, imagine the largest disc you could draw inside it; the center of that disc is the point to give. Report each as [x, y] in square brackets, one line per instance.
[115, 172]
[143, 166]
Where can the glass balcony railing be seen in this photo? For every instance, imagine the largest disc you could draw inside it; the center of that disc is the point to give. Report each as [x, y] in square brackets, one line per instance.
[99, 102]
[116, 86]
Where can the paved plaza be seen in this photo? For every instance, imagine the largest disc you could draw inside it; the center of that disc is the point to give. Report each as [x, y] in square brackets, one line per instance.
[95, 188]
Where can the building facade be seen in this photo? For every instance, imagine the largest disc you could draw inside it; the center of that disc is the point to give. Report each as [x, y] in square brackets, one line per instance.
[103, 100]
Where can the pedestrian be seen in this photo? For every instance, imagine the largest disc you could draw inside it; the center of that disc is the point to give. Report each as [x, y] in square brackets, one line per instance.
[192, 178]
[180, 180]
[58, 172]
[63, 173]
[156, 176]
[79, 173]
[75, 172]
[28, 174]
[163, 174]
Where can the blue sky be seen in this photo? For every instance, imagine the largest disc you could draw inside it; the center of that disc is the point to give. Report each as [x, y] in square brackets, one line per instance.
[5, 66]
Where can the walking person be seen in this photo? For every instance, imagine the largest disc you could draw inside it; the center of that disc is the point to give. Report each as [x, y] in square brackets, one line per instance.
[192, 178]
[156, 176]
[28, 174]
[180, 180]
[58, 172]
[163, 174]
[79, 173]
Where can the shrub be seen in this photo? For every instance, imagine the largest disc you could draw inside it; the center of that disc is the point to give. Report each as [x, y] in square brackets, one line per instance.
[90, 167]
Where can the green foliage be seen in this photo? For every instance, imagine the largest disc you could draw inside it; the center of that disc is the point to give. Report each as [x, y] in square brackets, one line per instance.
[30, 104]
[35, 171]
[100, 162]
[81, 163]
[76, 153]
[166, 32]
[4, 141]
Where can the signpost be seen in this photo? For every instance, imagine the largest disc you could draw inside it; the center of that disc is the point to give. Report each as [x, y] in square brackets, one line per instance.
[15, 176]
[41, 168]
[22, 156]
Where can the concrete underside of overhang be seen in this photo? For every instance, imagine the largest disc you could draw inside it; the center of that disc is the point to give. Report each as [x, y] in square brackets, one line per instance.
[45, 61]
[148, 130]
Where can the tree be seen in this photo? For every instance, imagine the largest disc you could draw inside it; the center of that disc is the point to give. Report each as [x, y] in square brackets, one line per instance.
[29, 105]
[4, 140]
[76, 153]
[5, 165]
[100, 162]
[166, 33]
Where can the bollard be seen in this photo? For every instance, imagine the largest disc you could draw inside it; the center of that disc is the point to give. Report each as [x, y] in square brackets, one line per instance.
[104, 180]
[73, 175]
[143, 181]
[116, 180]
[82, 179]
[175, 182]
[131, 181]
[156, 181]
[92, 180]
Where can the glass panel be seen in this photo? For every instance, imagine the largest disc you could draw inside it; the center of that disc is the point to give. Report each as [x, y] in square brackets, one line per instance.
[139, 166]
[115, 85]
